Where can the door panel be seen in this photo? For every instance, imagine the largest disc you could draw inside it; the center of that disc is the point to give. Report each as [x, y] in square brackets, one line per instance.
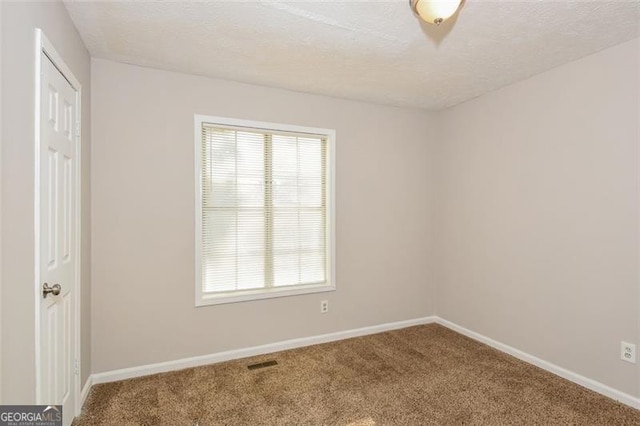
[58, 248]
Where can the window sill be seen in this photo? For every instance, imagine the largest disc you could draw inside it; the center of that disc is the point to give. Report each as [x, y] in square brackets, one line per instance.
[245, 296]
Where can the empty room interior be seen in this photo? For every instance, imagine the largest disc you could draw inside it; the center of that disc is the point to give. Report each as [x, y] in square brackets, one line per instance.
[395, 212]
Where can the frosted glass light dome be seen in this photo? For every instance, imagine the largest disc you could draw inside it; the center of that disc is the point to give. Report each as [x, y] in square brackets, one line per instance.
[435, 11]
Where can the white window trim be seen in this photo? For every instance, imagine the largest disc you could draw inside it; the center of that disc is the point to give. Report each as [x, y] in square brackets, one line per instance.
[205, 299]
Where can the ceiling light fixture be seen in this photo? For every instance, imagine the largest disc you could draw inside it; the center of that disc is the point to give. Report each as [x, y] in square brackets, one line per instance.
[435, 11]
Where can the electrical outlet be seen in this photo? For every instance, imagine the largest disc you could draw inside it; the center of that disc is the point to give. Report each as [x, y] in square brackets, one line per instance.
[628, 352]
[324, 306]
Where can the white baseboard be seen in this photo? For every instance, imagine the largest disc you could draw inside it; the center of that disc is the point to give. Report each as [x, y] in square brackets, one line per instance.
[179, 364]
[85, 392]
[552, 368]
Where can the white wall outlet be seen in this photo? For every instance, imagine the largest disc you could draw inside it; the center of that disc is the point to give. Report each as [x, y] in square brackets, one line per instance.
[324, 306]
[628, 352]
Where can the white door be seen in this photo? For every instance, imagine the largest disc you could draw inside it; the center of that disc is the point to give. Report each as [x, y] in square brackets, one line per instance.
[58, 248]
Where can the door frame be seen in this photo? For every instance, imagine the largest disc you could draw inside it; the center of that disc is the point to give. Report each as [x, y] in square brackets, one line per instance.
[44, 46]
[638, 235]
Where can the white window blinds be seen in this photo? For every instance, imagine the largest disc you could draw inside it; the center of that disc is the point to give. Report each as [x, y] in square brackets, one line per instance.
[264, 209]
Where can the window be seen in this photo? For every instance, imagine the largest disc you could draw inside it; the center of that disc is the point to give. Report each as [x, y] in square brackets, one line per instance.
[264, 207]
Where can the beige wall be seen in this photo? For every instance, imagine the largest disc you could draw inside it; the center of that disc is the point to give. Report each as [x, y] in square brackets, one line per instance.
[19, 20]
[537, 215]
[1, 139]
[143, 217]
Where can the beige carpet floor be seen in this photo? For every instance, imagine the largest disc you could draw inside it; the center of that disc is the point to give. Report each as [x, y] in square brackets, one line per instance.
[424, 375]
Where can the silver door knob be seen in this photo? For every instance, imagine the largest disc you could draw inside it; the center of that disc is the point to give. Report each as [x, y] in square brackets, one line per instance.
[54, 289]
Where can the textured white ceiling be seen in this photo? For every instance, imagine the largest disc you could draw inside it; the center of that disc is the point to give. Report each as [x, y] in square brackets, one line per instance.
[374, 51]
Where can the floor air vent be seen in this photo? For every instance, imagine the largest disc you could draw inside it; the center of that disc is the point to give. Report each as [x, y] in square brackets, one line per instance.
[262, 365]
